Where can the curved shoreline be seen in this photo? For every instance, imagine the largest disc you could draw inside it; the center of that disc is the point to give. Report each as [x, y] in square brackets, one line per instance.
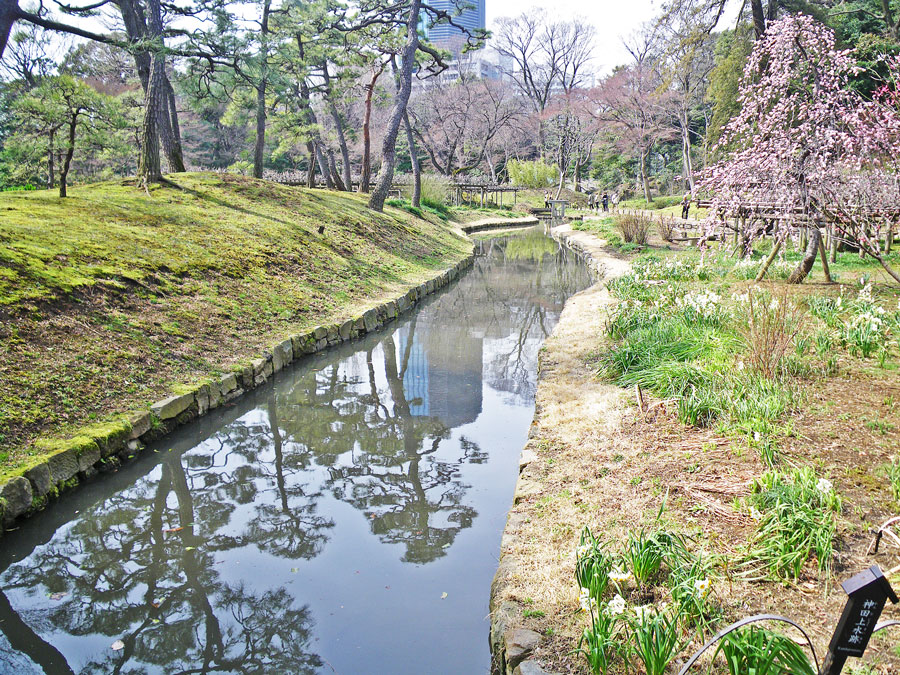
[567, 389]
[103, 448]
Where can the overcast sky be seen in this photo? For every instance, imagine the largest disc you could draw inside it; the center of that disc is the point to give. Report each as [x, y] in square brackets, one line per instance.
[613, 20]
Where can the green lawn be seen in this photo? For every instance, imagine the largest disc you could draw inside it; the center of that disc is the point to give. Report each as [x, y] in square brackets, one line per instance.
[111, 297]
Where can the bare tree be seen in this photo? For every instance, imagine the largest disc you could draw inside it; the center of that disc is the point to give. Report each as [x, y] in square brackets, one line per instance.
[456, 124]
[544, 55]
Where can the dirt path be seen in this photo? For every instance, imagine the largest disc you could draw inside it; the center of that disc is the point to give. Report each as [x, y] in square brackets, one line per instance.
[575, 431]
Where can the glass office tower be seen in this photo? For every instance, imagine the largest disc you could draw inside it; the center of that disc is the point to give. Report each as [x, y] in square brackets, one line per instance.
[471, 17]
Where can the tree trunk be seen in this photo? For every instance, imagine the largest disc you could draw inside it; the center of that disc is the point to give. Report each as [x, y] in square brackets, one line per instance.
[9, 12]
[174, 152]
[260, 147]
[335, 176]
[824, 257]
[339, 129]
[311, 169]
[887, 268]
[51, 179]
[888, 237]
[809, 257]
[759, 18]
[776, 246]
[414, 160]
[686, 161]
[137, 31]
[366, 173]
[67, 162]
[323, 167]
[149, 170]
[645, 181]
[389, 146]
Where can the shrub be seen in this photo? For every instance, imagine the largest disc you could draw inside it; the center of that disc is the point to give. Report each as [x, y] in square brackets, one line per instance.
[633, 228]
[532, 174]
[666, 227]
[434, 191]
[771, 326]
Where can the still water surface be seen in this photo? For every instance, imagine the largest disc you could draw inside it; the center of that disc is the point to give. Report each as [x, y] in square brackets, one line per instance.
[344, 519]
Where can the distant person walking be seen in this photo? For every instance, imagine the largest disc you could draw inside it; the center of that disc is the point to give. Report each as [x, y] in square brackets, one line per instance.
[547, 200]
[685, 205]
[605, 202]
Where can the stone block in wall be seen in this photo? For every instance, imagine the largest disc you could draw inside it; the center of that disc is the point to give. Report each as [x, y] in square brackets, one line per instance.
[333, 334]
[245, 378]
[390, 309]
[258, 366]
[140, 422]
[282, 355]
[370, 320]
[216, 395]
[412, 295]
[63, 456]
[320, 332]
[87, 458]
[402, 304]
[173, 406]
[346, 330]
[452, 273]
[520, 643]
[227, 384]
[109, 436]
[39, 477]
[17, 496]
[202, 396]
[308, 343]
[321, 344]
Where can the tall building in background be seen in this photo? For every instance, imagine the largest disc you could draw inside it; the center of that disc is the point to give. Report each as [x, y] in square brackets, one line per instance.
[450, 37]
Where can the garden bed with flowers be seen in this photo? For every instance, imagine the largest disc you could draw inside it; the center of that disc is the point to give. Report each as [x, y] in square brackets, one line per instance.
[755, 458]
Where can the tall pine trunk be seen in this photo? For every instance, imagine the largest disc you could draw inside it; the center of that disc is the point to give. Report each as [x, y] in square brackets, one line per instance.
[149, 170]
[259, 147]
[67, 162]
[414, 160]
[339, 130]
[366, 172]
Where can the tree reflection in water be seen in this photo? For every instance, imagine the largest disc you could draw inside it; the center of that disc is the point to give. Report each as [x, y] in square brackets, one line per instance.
[388, 430]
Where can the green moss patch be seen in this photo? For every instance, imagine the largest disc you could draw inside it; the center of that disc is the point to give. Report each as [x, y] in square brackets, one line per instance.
[112, 297]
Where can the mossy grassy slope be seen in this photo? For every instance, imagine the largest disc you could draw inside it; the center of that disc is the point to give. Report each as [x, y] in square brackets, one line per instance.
[110, 298]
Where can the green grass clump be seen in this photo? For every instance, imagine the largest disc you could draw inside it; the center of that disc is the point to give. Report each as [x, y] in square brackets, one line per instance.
[796, 513]
[757, 650]
[645, 601]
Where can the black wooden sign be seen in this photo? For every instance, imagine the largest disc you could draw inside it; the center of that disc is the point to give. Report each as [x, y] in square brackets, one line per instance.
[867, 591]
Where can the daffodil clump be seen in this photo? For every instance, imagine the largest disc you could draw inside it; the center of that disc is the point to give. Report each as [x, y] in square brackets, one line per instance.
[796, 518]
[645, 602]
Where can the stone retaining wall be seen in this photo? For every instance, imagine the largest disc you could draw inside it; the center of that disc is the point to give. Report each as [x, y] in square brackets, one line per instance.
[102, 448]
[512, 645]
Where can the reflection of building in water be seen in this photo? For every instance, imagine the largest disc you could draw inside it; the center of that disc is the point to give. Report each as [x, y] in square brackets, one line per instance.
[443, 374]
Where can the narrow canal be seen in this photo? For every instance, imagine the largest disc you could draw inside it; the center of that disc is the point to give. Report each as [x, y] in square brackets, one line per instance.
[344, 519]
